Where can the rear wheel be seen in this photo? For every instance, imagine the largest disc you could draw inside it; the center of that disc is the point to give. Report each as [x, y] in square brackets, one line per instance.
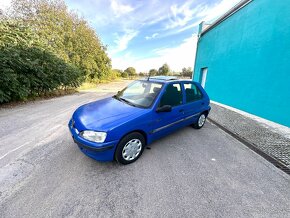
[130, 148]
[200, 121]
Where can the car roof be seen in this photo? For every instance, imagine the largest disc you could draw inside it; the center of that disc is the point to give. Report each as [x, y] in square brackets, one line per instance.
[165, 79]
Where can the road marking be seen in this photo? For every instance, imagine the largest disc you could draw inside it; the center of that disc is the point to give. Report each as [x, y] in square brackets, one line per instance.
[13, 150]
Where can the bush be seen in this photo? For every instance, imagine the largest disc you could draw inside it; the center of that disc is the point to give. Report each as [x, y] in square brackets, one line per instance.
[131, 71]
[26, 72]
[124, 74]
[44, 47]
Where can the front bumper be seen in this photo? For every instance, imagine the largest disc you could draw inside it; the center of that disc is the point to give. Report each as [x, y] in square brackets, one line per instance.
[98, 151]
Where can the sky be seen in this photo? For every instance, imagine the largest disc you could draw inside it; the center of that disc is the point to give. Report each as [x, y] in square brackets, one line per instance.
[145, 34]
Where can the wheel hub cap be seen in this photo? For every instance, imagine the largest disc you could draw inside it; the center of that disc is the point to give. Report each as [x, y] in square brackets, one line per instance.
[132, 149]
[201, 120]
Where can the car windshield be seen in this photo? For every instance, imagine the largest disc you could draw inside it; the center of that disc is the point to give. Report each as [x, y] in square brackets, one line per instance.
[139, 93]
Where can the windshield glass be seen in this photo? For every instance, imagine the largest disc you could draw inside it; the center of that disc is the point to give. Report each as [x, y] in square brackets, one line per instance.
[140, 93]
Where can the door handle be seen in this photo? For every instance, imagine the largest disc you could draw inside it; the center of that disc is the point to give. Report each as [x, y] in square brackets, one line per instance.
[181, 110]
[202, 103]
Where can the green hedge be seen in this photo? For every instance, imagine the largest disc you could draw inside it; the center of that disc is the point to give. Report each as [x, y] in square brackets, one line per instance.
[26, 68]
[52, 49]
[26, 72]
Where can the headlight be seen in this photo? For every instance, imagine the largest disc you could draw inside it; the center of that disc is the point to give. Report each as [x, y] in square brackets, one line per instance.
[94, 136]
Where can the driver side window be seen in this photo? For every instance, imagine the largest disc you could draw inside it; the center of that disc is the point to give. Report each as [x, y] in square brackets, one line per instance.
[172, 95]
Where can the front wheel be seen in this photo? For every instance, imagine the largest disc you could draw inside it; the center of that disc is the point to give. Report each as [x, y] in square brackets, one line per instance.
[130, 148]
[200, 121]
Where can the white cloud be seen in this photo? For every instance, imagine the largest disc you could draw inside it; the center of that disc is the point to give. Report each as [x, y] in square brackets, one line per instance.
[4, 4]
[181, 15]
[123, 41]
[209, 14]
[154, 35]
[128, 19]
[177, 57]
[200, 13]
[119, 9]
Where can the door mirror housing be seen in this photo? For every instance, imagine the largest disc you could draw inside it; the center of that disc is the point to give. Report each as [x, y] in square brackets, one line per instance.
[164, 108]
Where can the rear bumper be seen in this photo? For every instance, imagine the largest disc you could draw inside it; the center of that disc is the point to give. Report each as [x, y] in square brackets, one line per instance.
[98, 151]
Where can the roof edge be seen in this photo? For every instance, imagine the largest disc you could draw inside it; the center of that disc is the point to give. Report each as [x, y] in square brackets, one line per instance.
[232, 11]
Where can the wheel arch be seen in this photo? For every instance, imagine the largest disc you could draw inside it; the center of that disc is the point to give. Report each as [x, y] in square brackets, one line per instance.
[141, 132]
[138, 131]
[206, 112]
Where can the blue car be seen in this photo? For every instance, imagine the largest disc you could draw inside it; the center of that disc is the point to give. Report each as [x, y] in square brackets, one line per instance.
[119, 127]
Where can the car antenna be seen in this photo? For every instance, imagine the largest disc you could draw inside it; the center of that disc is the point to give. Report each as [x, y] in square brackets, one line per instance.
[148, 76]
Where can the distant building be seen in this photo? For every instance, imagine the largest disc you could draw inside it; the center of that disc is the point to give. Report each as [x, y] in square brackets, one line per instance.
[243, 59]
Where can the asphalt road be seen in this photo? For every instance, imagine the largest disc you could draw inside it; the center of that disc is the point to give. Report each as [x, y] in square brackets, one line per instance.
[191, 173]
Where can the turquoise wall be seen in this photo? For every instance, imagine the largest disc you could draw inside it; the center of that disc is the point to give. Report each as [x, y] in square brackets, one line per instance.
[248, 60]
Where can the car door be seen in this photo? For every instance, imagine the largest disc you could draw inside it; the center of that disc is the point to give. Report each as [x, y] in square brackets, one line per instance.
[166, 122]
[193, 101]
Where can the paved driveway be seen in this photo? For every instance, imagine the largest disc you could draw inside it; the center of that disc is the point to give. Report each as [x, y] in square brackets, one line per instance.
[191, 173]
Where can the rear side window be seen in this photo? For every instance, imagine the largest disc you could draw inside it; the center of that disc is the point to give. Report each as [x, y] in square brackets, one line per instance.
[172, 95]
[192, 92]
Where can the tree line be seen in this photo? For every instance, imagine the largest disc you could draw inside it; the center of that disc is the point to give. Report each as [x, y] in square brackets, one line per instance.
[44, 47]
[165, 70]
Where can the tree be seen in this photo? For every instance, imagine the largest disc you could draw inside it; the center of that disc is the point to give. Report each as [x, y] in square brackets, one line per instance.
[118, 72]
[131, 71]
[142, 74]
[153, 72]
[164, 70]
[115, 73]
[44, 47]
[26, 68]
[186, 72]
[124, 74]
[65, 34]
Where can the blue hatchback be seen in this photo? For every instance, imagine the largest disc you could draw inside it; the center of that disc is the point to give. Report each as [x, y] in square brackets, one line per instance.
[119, 127]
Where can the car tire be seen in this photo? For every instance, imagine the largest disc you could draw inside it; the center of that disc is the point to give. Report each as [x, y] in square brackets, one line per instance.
[200, 121]
[130, 148]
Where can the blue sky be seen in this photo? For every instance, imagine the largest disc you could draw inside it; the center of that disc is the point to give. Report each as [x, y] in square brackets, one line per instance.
[147, 33]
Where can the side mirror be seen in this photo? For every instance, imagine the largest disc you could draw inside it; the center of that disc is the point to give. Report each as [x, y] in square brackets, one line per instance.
[164, 108]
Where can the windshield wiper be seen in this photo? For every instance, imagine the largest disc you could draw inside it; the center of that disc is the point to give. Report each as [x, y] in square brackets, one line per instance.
[128, 102]
[116, 97]
[124, 100]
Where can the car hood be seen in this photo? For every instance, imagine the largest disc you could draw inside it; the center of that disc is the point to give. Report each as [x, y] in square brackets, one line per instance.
[104, 114]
